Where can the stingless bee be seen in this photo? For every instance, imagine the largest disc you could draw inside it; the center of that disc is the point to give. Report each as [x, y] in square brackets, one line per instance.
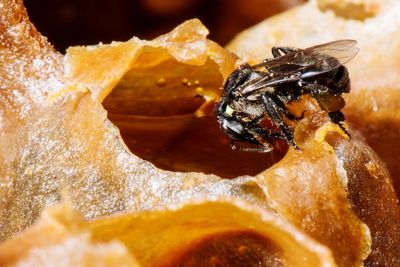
[252, 93]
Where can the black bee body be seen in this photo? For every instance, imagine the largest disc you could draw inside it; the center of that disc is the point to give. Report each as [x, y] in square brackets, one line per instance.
[253, 92]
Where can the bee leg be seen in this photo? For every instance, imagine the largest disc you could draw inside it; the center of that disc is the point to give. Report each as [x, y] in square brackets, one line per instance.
[330, 102]
[267, 135]
[282, 108]
[272, 109]
[278, 51]
[255, 121]
[261, 136]
[337, 117]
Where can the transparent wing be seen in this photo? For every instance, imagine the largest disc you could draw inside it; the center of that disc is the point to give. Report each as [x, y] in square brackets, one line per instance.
[268, 81]
[342, 50]
[303, 63]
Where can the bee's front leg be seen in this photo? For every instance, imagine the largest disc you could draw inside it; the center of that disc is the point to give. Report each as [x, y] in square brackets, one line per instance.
[273, 111]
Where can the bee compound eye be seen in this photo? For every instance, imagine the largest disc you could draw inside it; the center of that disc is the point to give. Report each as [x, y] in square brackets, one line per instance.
[233, 129]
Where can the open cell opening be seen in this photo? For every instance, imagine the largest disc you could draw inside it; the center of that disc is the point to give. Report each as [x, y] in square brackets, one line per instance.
[165, 113]
[234, 248]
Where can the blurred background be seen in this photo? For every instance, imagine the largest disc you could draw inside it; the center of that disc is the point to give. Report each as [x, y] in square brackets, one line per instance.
[83, 22]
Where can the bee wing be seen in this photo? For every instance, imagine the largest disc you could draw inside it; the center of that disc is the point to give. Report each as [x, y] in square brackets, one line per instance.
[267, 81]
[341, 50]
[334, 54]
[303, 63]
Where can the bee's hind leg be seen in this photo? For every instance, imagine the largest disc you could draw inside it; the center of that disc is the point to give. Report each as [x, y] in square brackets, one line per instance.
[337, 117]
[330, 102]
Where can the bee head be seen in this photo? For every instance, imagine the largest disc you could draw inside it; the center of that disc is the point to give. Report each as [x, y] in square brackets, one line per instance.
[228, 122]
